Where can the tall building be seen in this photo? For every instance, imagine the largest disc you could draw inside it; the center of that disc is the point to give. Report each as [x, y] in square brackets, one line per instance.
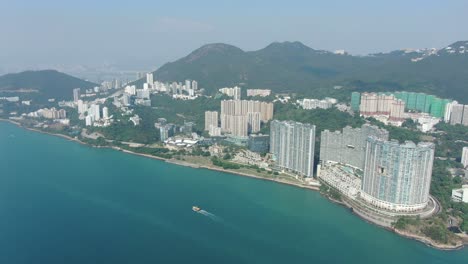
[465, 116]
[397, 177]
[89, 121]
[437, 108]
[402, 96]
[428, 103]
[126, 101]
[76, 94]
[355, 101]
[163, 133]
[237, 93]
[348, 147]
[117, 83]
[242, 108]
[448, 111]
[457, 114]
[397, 110]
[211, 119]
[225, 123]
[194, 85]
[214, 131]
[381, 104]
[105, 112]
[166, 131]
[52, 113]
[376, 104]
[253, 119]
[464, 159]
[95, 111]
[149, 79]
[292, 145]
[236, 125]
[368, 104]
[384, 103]
[188, 85]
[421, 101]
[239, 126]
[82, 107]
[232, 92]
[411, 103]
[266, 111]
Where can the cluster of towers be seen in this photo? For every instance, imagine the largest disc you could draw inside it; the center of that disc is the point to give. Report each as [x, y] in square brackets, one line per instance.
[395, 177]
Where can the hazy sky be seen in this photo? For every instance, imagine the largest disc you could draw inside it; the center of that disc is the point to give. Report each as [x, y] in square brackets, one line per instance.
[151, 32]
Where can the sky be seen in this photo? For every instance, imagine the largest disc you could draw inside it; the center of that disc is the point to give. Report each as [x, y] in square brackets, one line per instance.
[144, 34]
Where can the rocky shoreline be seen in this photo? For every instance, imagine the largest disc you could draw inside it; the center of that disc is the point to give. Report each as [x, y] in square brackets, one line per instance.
[427, 241]
[423, 239]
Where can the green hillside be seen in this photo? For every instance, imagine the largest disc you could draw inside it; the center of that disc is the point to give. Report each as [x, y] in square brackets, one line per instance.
[294, 67]
[42, 85]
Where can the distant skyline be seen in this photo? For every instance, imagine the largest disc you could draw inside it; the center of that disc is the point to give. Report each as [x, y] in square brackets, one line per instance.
[145, 34]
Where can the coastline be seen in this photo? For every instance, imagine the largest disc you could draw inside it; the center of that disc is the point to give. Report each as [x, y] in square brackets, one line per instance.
[422, 239]
[172, 161]
[427, 241]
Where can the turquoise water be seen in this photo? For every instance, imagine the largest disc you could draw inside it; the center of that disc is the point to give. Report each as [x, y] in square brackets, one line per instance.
[61, 202]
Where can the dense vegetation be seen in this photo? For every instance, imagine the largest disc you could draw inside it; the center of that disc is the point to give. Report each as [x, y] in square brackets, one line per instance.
[401, 134]
[47, 83]
[296, 68]
[403, 222]
[437, 231]
[331, 119]
[450, 140]
[178, 111]
[330, 192]
[225, 164]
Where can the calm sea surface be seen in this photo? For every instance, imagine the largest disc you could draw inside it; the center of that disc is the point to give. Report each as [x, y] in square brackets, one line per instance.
[61, 202]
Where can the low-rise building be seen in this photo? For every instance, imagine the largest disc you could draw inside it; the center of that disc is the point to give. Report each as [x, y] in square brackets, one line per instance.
[460, 195]
[316, 103]
[231, 92]
[214, 131]
[52, 113]
[250, 158]
[216, 150]
[341, 177]
[143, 102]
[258, 92]
[136, 120]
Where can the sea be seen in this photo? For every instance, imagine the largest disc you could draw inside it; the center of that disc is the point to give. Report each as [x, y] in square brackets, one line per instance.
[63, 202]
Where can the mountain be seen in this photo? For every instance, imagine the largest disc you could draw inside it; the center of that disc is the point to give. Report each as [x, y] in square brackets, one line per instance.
[43, 84]
[295, 67]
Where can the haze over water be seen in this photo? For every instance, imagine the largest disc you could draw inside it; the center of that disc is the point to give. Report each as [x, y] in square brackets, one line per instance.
[62, 202]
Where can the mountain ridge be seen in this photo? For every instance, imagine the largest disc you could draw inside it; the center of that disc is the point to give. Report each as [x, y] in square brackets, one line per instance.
[295, 67]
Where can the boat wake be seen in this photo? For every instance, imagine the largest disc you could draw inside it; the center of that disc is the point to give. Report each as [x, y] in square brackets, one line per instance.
[210, 215]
